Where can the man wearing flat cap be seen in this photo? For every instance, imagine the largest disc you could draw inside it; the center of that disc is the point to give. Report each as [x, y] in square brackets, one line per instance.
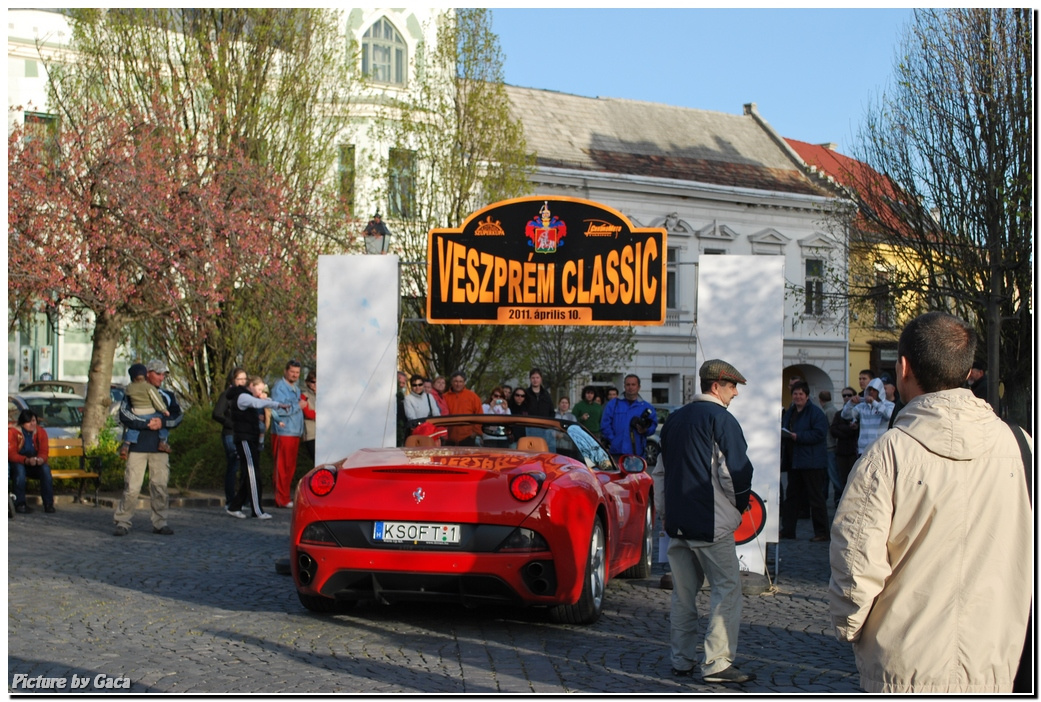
[708, 480]
[145, 455]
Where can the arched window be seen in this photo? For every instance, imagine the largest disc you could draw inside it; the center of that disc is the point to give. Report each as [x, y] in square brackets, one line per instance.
[384, 55]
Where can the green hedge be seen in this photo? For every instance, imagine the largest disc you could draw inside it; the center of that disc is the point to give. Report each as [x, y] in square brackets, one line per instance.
[111, 464]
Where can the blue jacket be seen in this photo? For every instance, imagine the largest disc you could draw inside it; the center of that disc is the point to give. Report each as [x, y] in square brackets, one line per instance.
[148, 439]
[708, 477]
[293, 418]
[811, 436]
[615, 426]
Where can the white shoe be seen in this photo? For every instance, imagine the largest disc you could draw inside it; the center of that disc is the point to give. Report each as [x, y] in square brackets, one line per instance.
[289, 505]
[263, 515]
[237, 513]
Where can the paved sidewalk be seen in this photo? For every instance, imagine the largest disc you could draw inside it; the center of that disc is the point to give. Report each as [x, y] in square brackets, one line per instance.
[203, 611]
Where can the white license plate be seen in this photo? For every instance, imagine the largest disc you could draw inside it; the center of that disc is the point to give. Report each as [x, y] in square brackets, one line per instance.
[415, 532]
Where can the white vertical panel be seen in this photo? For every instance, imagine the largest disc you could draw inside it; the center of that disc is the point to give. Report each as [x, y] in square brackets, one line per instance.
[741, 320]
[357, 354]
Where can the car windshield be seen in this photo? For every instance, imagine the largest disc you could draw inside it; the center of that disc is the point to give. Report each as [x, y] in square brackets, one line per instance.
[562, 437]
[44, 386]
[57, 411]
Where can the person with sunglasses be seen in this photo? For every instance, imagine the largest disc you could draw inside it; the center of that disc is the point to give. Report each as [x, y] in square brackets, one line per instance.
[494, 435]
[418, 403]
[517, 402]
[846, 433]
[496, 403]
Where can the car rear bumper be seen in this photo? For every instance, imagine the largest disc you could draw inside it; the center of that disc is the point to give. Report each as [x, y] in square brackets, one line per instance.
[395, 575]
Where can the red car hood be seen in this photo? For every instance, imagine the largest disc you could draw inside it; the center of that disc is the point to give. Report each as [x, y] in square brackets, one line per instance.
[437, 484]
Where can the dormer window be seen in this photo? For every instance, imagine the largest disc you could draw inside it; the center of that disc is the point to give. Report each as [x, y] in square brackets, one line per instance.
[384, 55]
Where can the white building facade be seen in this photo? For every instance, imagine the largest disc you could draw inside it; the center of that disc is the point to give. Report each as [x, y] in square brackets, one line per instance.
[385, 43]
[718, 183]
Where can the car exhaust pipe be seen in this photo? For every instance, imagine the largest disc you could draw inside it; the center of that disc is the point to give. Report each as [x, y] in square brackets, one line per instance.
[536, 578]
[306, 568]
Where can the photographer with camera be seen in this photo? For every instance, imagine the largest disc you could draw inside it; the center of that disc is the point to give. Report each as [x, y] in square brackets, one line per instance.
[627, 421]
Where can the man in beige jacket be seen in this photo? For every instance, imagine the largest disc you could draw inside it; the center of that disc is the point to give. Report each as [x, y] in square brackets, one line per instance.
[932, 544]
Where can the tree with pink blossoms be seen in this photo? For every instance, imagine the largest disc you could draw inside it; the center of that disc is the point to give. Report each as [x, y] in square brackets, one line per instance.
[113, 220]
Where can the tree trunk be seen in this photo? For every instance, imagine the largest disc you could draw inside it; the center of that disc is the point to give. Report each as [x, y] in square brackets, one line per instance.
[107, 328]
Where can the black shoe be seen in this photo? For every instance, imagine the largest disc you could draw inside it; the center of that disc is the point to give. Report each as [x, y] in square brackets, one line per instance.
[683, 673]
[666, 581]
[821, 537]
[23, 509]
[121, 531]
[165, 530]
[49, 509]
[729, 675]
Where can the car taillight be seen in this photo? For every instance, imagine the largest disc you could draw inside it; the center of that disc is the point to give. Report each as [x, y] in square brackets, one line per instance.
[526, 486]
[322, 481]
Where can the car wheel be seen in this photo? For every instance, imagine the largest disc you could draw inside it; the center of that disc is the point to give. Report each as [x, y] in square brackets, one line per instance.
[643, 568]
[324, 605]
[650, 453]
[591, 603]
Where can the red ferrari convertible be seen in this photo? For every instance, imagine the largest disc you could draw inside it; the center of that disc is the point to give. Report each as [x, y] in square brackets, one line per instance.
[538, 514]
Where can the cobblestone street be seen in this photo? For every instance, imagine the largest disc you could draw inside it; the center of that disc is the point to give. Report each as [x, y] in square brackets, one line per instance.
[203, 611]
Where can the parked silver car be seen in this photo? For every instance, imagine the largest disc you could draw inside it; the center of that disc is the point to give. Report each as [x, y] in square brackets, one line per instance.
[60, 413]
[70, 387]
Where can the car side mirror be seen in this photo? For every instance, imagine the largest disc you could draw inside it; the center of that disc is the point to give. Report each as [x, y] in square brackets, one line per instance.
[633, 464]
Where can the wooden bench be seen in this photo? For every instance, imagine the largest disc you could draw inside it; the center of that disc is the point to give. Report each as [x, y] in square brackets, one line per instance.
[73, 448]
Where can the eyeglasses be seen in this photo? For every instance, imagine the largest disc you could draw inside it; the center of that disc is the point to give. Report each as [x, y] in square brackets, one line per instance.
[847, 394]
[496, 397]
[518, 394]
[417, 385]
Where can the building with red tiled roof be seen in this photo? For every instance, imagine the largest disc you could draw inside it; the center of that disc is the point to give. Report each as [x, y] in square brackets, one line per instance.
[874, 325]
[719, 184]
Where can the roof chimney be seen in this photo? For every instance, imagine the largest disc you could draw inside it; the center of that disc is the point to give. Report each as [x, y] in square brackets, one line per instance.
[830, 146]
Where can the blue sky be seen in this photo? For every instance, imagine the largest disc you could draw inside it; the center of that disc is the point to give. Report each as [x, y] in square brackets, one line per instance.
[812, 73]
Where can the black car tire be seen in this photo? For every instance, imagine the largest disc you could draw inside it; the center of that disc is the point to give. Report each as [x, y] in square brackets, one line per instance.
[643, 568]
[324, 605]
[591, 602]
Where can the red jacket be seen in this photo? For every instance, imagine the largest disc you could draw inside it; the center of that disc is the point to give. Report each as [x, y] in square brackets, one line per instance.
[15, 440]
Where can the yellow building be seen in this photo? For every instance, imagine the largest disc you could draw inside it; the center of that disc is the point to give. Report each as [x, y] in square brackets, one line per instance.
[875, 316]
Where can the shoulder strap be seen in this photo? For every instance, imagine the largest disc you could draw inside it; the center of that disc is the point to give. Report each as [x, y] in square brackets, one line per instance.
[1024, 449]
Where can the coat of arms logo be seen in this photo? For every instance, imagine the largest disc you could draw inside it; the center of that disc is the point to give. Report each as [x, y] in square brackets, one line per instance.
[546, 232]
